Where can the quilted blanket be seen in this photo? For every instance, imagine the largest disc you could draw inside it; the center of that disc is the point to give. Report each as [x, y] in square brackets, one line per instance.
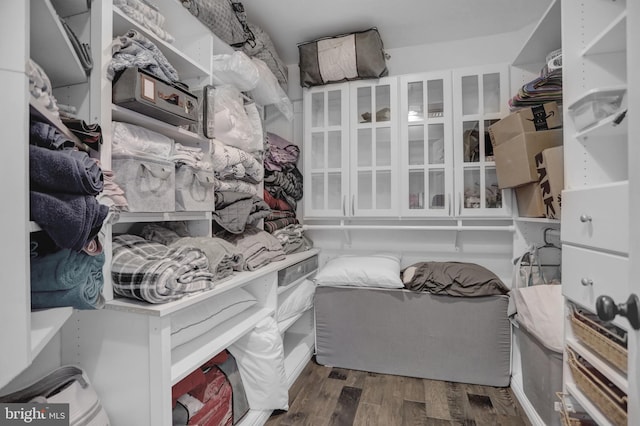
[234, 210]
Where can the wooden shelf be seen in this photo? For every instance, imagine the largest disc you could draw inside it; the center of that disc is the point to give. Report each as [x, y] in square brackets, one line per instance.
[135, 217]
[45, 324]
[178, 134]
[186, 67]
[545, 38]
[37, 109]
[612, 39]
[185, 358]
[51, 47]
[238, 279]
[587, 405]
[70, 7]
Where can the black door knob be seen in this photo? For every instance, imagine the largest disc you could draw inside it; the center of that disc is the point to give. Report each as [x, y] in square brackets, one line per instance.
[607, 309]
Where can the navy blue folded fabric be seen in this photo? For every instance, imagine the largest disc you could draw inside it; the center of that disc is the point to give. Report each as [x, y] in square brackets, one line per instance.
[70, 220]
[67, 278]
[66, 170]
[47, 136]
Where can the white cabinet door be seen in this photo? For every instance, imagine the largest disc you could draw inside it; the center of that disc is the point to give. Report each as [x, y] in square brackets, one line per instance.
[326, 150]
[374, 148]
[480, 98]
[426, 145]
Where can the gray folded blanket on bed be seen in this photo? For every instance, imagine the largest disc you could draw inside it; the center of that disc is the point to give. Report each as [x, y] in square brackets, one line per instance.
[66, 170]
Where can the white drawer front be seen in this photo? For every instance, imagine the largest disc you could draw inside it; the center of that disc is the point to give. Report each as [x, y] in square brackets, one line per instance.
[597, 217]
[587, 274]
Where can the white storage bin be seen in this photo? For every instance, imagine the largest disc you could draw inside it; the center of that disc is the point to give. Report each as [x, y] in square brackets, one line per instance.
[148, 183]
[194, 189]
[595, 106]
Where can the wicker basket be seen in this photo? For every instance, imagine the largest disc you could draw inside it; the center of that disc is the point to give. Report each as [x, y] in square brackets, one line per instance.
[605, 343]
[572, 417]
[611, 403]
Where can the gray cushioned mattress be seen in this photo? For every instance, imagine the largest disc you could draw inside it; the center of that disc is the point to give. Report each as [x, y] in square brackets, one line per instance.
[402, 332]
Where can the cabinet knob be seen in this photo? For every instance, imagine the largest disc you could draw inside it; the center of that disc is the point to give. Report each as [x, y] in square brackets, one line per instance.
[586, 282]
[585, 218]
[607, 309]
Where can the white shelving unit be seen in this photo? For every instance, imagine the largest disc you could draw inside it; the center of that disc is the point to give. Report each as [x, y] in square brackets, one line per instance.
[51, 48]
[124, 348]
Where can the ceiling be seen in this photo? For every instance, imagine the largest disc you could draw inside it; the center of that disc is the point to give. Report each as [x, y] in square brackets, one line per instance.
[401, 23]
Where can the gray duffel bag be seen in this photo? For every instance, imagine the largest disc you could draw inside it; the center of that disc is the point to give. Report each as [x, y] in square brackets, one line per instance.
[353, 56]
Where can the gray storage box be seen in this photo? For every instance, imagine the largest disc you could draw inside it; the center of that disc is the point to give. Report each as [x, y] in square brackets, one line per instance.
[148, 183]
[291, 273]
[143, 92]
[541, 374]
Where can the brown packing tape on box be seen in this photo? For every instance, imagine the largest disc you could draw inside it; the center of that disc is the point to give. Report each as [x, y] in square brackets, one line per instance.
[550, 167]
[515, 159]
[529, 199]
[533, 119]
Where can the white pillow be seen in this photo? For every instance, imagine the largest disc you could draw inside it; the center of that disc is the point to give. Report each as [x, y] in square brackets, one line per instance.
[260, 358]
[202, 317]
[379, 270]
[296, 300]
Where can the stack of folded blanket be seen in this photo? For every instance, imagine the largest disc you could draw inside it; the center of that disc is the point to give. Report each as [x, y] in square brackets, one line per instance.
[223, 257]
[63, 188]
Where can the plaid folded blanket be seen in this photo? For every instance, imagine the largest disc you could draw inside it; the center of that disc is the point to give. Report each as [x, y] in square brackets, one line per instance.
[155, 273]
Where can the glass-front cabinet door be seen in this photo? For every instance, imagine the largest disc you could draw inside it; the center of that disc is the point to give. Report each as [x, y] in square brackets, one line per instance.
[426, 154]
[326, 147]
[480, 98]
[374, 148]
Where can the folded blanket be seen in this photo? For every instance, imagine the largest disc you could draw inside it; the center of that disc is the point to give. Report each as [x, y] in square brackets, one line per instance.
[234, 210]
[135, 50]
[287, 181]
[280, 152]
[155, 273]
[144, 14]
[67, 278]
[293, 239]
[236, 185]
[47, 136]
[68, 170]
[90, 134]
[258, 247]
[276, 203]
[274, 224]
[224, 257]
[232, 162]
[70, 220]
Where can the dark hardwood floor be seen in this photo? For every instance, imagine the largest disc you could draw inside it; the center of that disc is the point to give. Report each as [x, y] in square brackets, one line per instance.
[334, 396]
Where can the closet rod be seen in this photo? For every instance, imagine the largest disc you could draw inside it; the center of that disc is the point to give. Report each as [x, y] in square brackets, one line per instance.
[509, 228]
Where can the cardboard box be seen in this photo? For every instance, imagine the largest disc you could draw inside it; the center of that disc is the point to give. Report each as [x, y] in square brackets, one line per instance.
[534, 119]
[515, 159]
[529, 199]
[550, 167]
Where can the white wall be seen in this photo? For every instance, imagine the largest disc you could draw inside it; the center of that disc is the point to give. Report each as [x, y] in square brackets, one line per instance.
[496, 49]
[493, 250]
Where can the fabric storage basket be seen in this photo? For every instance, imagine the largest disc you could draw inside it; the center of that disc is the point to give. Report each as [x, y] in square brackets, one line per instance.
[194, 189]
[541, 374]
[353, 56]
[148, 182]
